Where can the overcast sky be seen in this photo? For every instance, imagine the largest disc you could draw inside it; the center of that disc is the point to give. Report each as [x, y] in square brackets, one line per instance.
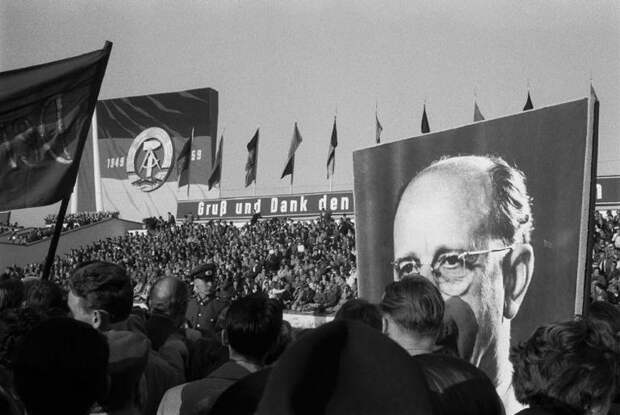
[277, 62]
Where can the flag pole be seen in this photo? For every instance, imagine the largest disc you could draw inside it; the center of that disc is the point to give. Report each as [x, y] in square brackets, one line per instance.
[51, 252]
[292, 173]
[191, 143]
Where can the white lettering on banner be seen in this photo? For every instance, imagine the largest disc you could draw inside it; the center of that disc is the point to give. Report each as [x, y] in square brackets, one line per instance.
[283, 206]
[333, 203]
[303, 204]
[247, 208]
[239, 208]
[323, 202]
[257, 205]
[293, 206]
[344, 203]
[599, 191]
[222, 208]
[201, 208]
[274, 205]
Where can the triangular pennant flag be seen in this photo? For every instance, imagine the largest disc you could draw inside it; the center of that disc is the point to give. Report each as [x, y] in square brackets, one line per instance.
[252, 163]
[290, 163]
[331, 153]
[183, 162]
[425, 127]
[216, 171]
[477, 113]
[379, 128]
[528, 103]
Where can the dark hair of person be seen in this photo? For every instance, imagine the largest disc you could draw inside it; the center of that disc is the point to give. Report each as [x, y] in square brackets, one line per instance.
[103, 286]
[605, 312]
[252, 326]
[458, 386]
[11, 293]
[61, 367]
[15, 324]
[573, 363]
[415, 304]
[360, 310]
[44, 294]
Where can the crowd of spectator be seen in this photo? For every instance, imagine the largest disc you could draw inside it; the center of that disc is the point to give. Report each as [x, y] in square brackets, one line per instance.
[22, 236]
[309, 266]
[75, 220]
[90, 351]
[605, 279]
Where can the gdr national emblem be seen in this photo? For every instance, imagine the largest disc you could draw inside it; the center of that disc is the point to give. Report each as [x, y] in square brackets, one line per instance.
[150, 159]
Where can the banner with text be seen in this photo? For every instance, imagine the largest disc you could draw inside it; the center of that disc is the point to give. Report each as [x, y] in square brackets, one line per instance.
[608, 192]
[299, 205]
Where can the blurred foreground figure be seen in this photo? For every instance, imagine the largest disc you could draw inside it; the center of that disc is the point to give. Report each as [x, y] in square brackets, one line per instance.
[345, 367]
[567, 368]
[61, 368]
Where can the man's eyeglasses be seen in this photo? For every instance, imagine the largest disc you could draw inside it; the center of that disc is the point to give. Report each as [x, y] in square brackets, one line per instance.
[447, 265]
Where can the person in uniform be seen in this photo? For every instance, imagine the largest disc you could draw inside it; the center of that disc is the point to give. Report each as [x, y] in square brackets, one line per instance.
[204, 307]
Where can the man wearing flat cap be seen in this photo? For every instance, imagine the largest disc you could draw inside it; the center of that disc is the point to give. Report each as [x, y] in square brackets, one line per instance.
[204, 307]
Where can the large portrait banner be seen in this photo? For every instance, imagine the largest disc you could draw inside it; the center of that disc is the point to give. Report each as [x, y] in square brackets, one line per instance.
[494, 213]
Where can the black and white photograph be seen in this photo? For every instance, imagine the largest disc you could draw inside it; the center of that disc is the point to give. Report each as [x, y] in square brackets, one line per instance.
[309, 207]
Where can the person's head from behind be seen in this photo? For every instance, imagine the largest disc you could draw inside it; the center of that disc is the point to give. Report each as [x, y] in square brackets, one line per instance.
[169, 297]
[45, 295]
[11, 293]
[413, 312]
[573, 363]
[360, 310]
[608, 313]
[100, 293]
[252, 326]
[465, 224]
[61, 368]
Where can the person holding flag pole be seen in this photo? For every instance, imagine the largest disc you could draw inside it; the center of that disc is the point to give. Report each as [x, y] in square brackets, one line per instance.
[289, 168]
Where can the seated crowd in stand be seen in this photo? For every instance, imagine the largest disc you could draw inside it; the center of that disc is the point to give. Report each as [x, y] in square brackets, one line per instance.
[309, 266]
[72, 221]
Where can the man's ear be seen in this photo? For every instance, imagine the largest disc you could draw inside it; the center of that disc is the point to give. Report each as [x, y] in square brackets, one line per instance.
[518, 269]
[100, 320]
[385, 323]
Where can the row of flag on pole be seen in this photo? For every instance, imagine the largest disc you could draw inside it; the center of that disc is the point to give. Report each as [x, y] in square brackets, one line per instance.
[289, 169]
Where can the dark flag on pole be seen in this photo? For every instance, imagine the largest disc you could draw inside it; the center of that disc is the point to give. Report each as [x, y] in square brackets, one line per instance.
[183, 162]
[379, 128]
[331, 153]
[425, 127]
[477, 113]
[290, 164]
[528, 103]
[252, 163]
[46, 112]
[216, 172]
